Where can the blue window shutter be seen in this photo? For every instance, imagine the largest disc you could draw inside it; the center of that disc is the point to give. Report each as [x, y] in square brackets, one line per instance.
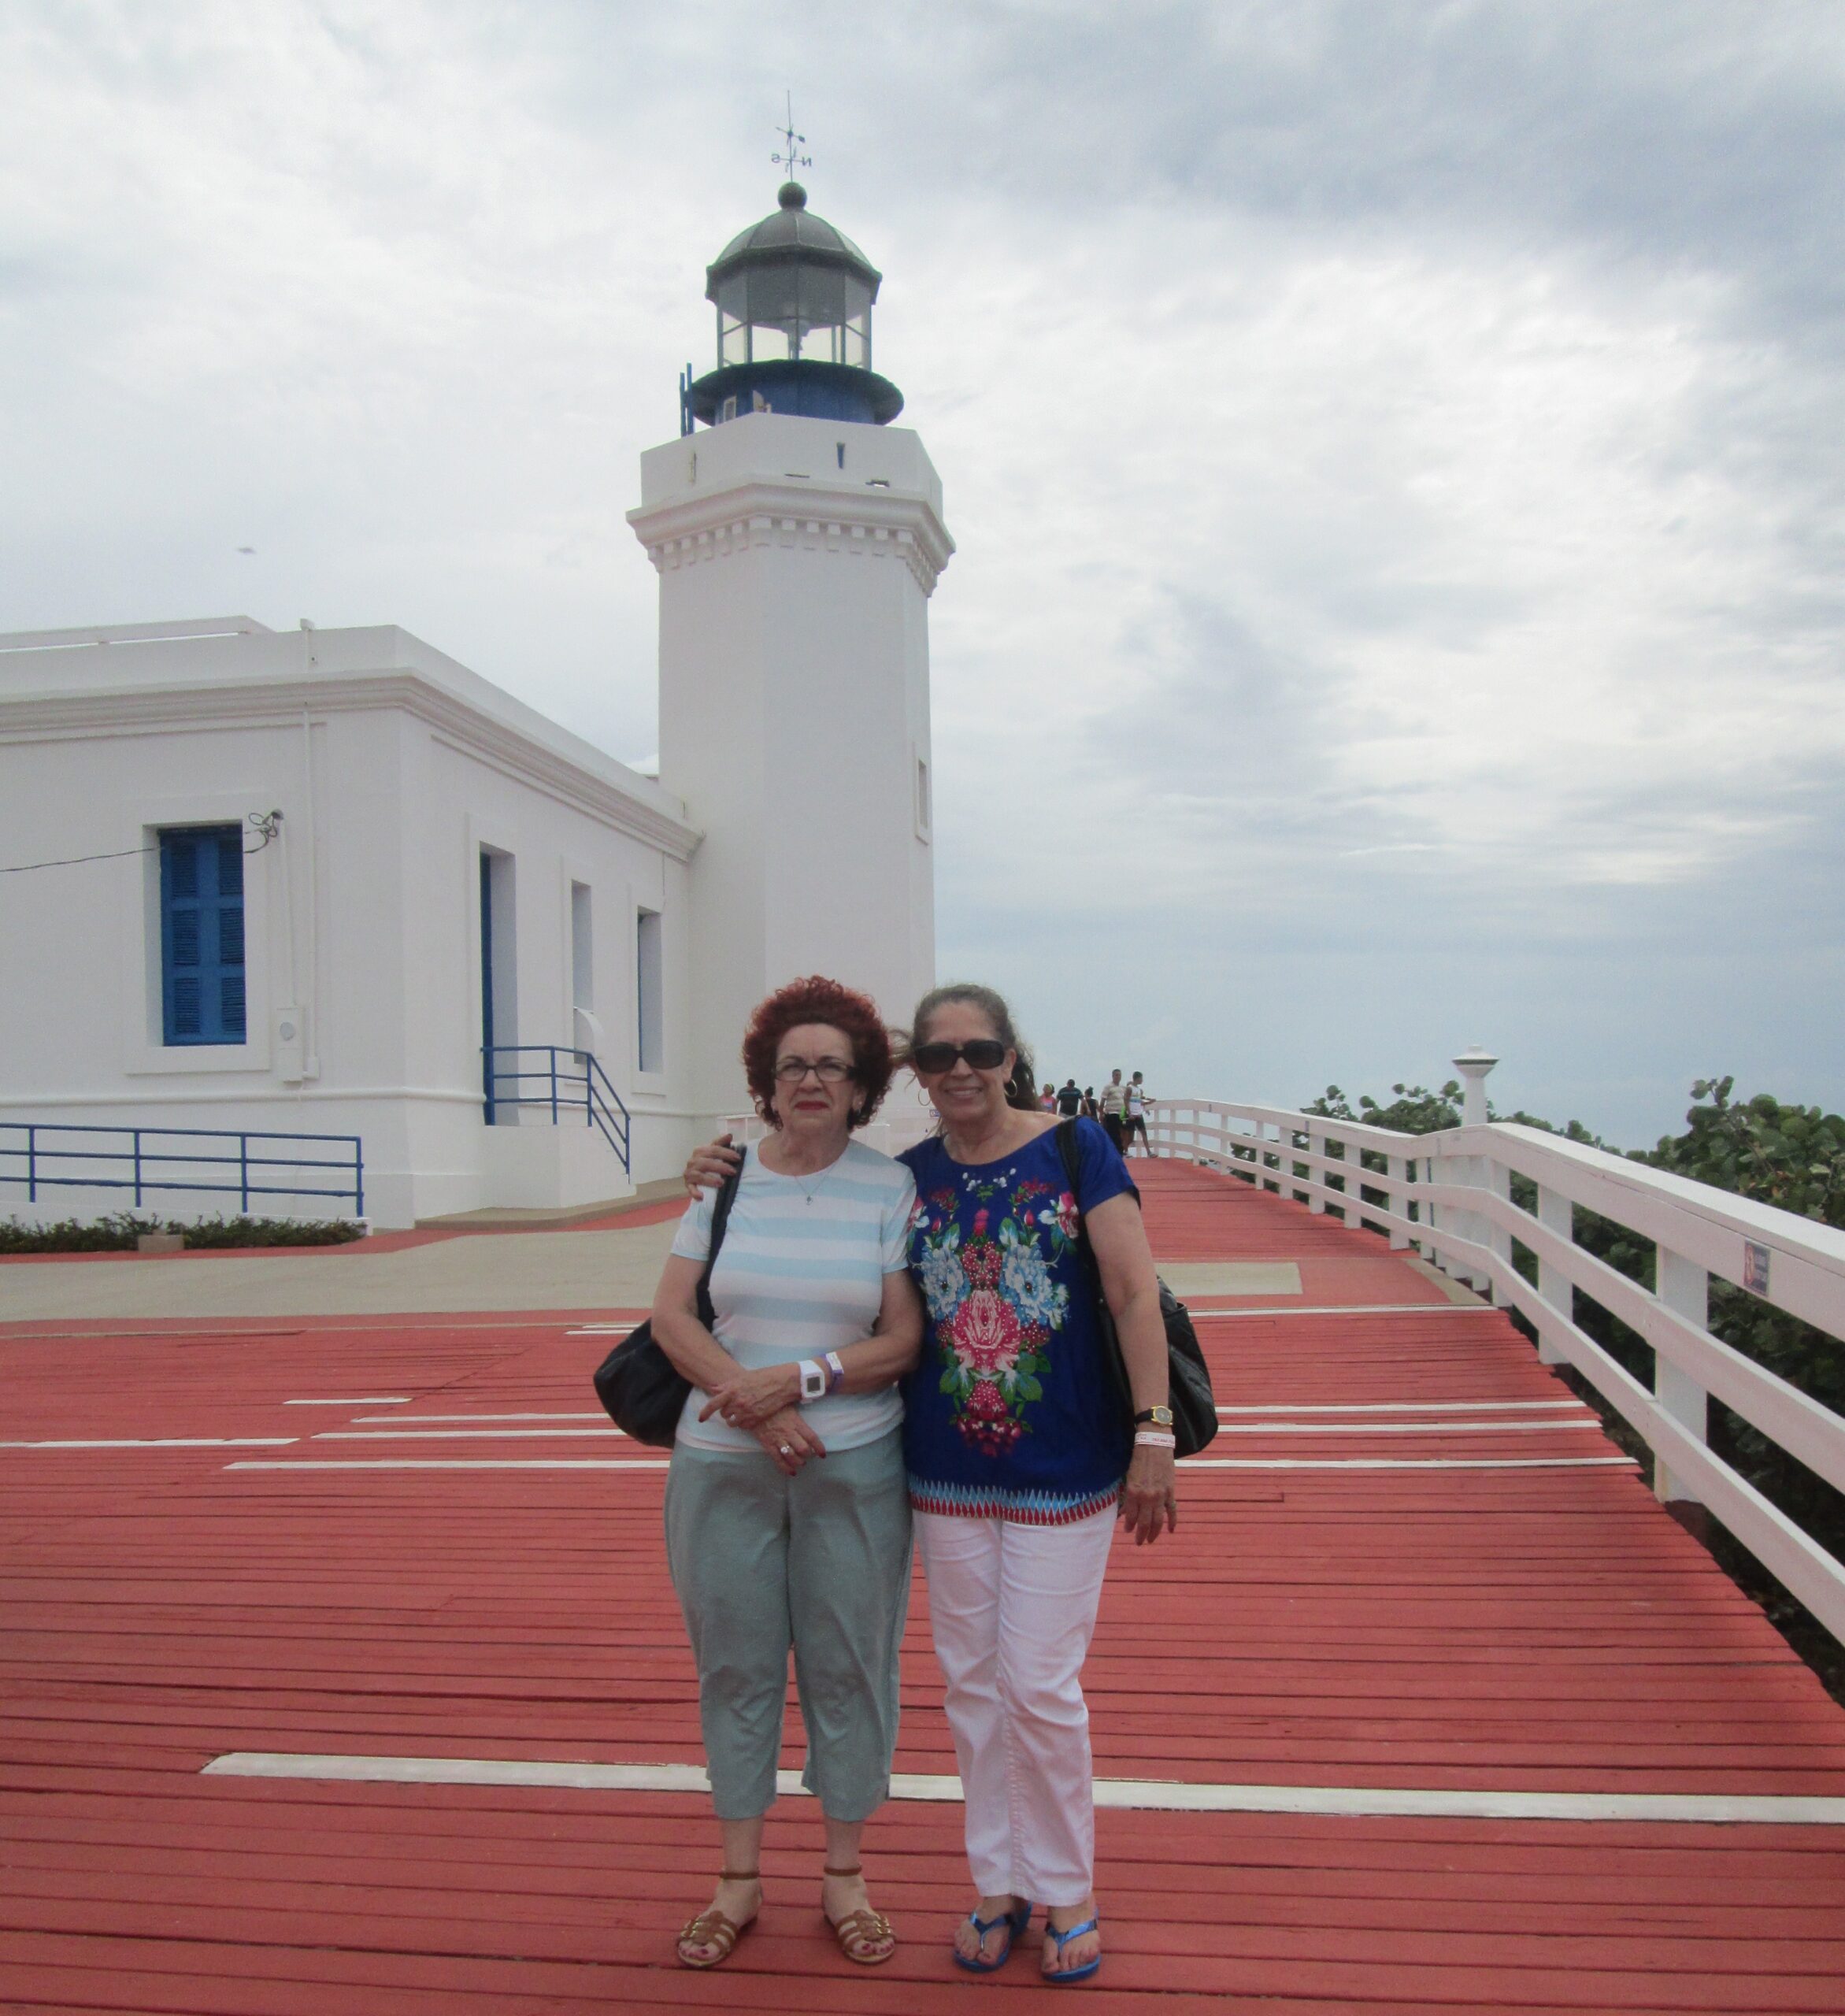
[201, 935]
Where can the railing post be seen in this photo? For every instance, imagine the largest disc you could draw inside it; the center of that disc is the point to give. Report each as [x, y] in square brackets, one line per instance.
[32, 1163]
[1317, 1144]
[243, 1174]
[1498, 1179]
[1397, 1210]
[553, 1084]
[134, 1135]
[1556, 1215]
[358, 1177]
[1474, 1065]
[1685, 1288]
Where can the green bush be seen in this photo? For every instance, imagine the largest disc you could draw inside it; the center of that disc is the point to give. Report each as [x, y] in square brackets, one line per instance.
[119, 1232]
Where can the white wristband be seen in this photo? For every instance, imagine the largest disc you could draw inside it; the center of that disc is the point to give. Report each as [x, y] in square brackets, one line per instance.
[1154, 1439]
[813, 1381]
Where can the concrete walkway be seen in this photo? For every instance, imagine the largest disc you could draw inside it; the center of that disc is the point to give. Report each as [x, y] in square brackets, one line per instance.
[480, 1272]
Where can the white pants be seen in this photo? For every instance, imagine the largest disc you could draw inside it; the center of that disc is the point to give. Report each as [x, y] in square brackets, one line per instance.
[1012, 1608]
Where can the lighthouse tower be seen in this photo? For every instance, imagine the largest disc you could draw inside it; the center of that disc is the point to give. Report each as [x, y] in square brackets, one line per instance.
[798, 536]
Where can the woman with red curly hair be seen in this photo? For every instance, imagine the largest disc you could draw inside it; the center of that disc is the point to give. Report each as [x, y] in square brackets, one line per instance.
[788, 1506]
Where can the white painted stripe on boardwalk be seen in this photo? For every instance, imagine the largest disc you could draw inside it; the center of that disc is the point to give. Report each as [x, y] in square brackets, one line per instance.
[364, 1400]
[1343, 1309]
[1229, 1428]
[417, 1420]
[1161, 1795]
[1190, 1463]
[461, 1463]
[1385, 1463]
[463, 1434]
[168, 1442]
[601, 1329]
[1394, 1426]
[1369, 1407]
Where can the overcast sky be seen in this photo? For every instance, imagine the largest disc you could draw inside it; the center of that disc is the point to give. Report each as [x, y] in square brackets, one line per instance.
[1393, 451]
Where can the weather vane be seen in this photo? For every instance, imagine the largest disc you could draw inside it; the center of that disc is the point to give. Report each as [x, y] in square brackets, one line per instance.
[791, 159]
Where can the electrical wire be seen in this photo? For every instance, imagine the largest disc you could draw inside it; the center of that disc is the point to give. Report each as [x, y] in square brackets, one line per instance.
[266, 823]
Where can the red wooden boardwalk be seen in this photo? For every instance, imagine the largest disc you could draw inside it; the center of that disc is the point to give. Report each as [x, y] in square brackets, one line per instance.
[1413, 1617]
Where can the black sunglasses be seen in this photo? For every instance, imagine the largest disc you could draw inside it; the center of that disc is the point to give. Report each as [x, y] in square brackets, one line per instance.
[984, 1054]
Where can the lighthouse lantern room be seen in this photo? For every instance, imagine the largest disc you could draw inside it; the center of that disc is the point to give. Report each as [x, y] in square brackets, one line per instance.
[794, 297]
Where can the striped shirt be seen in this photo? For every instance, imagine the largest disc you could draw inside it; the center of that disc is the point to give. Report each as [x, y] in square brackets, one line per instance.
[801, 1272]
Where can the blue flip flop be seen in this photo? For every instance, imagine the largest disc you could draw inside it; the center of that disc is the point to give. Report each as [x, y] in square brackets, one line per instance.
[1060, 1979]
[1018, 1918]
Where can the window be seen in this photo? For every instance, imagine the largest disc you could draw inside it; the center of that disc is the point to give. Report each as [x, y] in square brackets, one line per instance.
[649, 1006]
[583, 965]
[922, 798]
[201, 935]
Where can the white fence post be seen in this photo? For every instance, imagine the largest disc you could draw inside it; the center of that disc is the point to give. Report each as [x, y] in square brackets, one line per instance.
[1397, 1168]
[1497, 1178]
[1556, 1214]
[1317, 1144]
[1473, 1065]
[1685, 1290]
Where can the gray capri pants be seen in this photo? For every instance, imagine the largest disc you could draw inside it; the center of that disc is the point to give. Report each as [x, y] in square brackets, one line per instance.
[819, 1561]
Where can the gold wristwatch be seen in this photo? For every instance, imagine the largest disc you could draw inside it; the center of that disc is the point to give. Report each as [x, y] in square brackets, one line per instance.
[1153, 1417]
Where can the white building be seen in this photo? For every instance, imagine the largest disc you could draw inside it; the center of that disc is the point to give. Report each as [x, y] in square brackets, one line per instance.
[515, 971]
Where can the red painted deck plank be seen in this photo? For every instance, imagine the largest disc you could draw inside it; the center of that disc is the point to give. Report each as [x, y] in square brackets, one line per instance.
[1532, 1628]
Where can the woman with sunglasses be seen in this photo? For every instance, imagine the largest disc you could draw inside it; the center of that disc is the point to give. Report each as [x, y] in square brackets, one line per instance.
[787, 1512]
[1019, 1460]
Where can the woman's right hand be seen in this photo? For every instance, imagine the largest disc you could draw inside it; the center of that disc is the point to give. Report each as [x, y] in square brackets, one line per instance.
[789, 1440]
[706, 1168]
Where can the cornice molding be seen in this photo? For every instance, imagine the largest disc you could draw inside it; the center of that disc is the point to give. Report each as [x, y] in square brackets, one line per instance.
[858, 523]
[277, 702]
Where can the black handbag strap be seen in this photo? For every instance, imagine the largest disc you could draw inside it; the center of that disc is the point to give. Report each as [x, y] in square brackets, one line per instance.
[726, 1195]
[1111, 1340]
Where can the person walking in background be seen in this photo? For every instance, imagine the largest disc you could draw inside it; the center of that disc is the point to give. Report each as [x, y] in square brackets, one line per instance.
[1090, 1110]
[1047, 1098]
[1135, 1123]
[1069, 1100]
[1115, 1108]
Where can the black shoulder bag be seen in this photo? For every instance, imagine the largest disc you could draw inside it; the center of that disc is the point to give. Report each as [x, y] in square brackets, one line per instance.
[1193, 1404]
[643, 1391]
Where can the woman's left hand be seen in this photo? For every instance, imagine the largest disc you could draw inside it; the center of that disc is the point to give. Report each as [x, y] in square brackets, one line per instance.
[749, 1399]
[1149, 1497]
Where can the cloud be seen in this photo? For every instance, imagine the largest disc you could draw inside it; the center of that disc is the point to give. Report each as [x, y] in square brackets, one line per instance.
[1392, 450]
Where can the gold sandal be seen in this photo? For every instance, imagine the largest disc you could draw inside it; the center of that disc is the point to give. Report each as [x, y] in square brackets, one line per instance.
[860, 1928]
[712, 1928]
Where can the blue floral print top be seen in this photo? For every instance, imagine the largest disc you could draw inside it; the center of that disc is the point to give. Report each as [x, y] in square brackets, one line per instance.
[1011, 1413]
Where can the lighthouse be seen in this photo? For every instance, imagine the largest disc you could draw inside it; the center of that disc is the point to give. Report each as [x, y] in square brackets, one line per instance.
[798, 536]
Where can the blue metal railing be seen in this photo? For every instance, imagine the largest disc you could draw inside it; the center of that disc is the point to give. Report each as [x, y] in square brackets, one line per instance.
[145, 1159]
[576, 1084]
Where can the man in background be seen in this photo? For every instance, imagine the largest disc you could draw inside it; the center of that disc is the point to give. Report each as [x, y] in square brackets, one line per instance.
[1069, 1099]
[1114, 1106]
[1135, 1122]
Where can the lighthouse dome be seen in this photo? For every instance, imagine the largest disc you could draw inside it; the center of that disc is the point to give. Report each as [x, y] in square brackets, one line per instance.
[791, 226]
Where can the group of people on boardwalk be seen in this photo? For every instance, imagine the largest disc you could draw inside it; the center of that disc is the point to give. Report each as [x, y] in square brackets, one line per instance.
[1121, 1108]
[909, 1354]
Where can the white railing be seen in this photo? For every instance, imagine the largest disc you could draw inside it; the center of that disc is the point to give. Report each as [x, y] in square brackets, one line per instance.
[1450, 1194]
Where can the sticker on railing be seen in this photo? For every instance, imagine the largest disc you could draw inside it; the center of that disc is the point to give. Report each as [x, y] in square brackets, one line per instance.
[1754, 1267]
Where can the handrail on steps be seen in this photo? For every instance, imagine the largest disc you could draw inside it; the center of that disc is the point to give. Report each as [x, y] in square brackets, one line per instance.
[579, 1085]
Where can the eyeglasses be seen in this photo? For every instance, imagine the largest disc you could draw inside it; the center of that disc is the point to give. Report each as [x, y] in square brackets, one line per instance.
[828, 1070]
[984, 1054]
